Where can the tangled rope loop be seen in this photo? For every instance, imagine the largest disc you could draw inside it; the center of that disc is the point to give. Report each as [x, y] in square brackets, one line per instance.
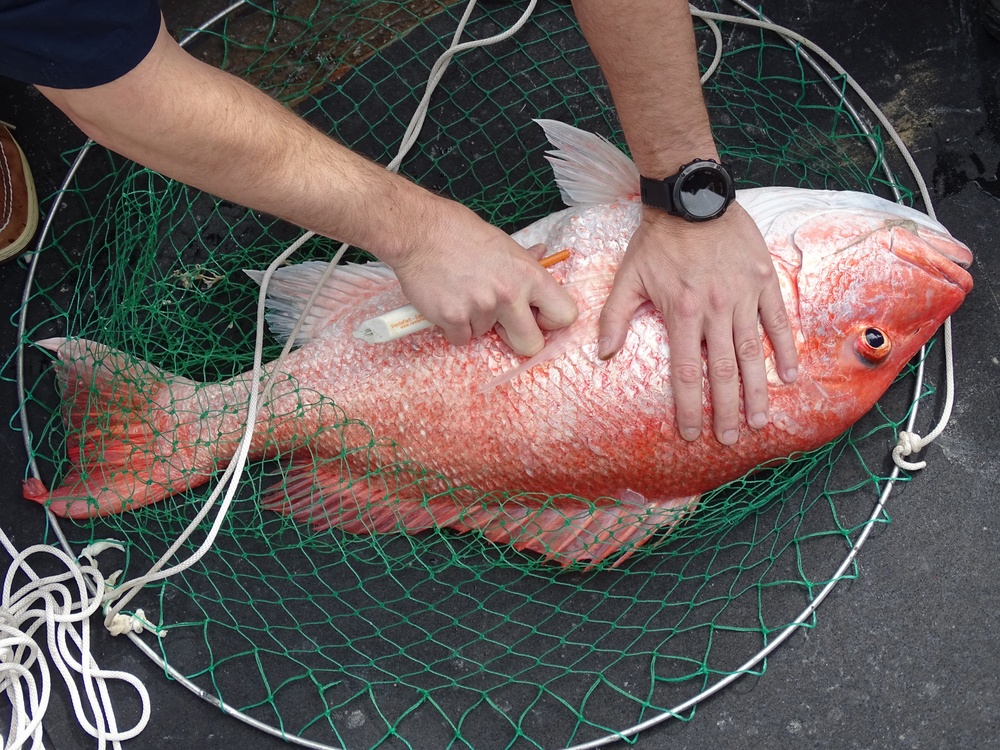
[63, 603]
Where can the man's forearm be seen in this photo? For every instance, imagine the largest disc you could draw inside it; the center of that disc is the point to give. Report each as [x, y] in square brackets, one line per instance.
[714, 282]
[208, 129]
[646, 49]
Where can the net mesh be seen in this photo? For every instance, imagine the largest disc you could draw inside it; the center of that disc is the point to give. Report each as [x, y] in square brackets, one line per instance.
[439, 639]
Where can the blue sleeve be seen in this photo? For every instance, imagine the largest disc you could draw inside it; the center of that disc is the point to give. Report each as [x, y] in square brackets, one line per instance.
[73, 44]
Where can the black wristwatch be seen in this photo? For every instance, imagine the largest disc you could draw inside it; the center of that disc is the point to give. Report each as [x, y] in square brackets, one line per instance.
[699, 191]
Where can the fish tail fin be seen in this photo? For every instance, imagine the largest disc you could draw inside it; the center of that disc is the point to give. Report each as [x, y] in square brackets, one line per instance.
[562, 529]
[589, 169]
[118, 437]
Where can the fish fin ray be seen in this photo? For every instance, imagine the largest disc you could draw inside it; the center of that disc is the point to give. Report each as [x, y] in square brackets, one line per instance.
[569, 530]
[589, 169]
[291, 286]
[563, 530]
[324, 495]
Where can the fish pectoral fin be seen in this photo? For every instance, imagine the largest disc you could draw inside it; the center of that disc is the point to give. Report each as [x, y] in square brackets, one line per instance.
[582, 332]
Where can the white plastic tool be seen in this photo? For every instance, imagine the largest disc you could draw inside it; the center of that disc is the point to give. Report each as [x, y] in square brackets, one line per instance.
[392, 325]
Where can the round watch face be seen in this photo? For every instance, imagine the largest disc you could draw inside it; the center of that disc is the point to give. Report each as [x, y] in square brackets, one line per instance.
[702, 192]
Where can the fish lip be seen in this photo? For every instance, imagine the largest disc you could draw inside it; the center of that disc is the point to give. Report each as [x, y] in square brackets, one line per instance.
[930, 256]
[955, 251]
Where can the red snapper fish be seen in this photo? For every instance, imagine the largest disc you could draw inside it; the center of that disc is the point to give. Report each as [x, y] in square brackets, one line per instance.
[562, 454]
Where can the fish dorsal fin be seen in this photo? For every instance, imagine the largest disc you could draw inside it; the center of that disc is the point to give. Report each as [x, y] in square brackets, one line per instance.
[291, 286]
[589, 169]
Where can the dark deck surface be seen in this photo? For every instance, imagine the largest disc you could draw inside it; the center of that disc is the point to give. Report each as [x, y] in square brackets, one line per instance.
[907, 655]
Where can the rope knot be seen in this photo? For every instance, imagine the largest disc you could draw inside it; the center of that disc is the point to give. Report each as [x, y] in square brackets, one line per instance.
[907, 444]
[119, 623]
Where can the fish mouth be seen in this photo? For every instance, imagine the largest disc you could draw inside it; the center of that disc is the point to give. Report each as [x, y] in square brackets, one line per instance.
[939, 255]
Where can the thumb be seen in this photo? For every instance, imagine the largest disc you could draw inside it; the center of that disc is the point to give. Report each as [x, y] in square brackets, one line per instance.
[536, 251]
[616, 317]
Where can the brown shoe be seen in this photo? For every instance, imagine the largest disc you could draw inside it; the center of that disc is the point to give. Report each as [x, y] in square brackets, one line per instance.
[18, 202]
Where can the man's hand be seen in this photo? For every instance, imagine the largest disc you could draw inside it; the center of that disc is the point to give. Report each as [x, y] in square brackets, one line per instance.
[709, 280]
[469, 277]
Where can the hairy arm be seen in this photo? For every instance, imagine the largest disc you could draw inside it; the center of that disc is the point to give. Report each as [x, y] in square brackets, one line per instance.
[710, 280]
[197, 124]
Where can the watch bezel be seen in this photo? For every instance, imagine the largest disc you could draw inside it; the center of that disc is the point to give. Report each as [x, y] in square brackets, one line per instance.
[686, 172]
[667, 193]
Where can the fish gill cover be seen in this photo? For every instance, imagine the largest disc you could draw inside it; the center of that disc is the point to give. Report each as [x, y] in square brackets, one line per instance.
[440, 639]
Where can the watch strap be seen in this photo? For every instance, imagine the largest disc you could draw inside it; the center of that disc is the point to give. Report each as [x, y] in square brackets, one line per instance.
[658, 193]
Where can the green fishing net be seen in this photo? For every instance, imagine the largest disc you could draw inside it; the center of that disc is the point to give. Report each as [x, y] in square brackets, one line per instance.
[441, 639]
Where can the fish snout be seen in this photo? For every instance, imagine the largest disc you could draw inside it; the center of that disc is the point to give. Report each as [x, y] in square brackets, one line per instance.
[935, 253]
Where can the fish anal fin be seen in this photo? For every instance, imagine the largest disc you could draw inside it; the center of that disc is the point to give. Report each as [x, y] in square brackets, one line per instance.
[326, 494]
[561, 529]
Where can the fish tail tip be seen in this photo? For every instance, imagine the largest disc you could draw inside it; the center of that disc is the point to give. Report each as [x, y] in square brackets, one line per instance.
[34, 489]
[53, 344]
[66, 506]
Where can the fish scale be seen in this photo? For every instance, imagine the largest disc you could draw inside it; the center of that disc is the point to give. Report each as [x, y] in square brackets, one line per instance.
[559, 454]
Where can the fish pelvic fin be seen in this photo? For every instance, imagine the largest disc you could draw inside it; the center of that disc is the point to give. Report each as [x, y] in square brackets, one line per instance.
[290, 288]
[119, 439]
[564, 530]
[571, 531]
[589, 169]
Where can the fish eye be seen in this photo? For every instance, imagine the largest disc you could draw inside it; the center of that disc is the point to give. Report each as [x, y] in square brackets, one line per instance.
[874, 338]
[873, 346]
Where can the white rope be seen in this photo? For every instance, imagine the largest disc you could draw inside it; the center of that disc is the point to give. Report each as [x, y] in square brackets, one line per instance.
[910, 442]
[717, 35]
[18, 652]
[60, 602]
[230, 478]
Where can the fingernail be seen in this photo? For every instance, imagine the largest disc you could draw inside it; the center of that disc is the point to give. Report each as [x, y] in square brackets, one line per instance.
[604, 347]
[729, 437]
[790, 374]
[757, 420]
[690, 433]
